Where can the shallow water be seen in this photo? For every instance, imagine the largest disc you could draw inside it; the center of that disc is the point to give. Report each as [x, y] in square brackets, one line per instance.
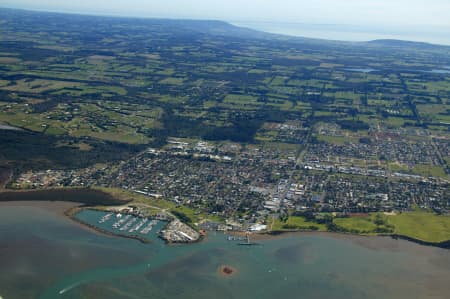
[8, 127]
[44, 255]
[93, 217]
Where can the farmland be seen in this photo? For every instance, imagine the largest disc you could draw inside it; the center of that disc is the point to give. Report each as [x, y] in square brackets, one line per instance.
[225, 121]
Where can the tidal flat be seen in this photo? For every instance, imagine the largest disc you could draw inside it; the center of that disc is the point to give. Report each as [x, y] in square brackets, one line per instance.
[46, 255]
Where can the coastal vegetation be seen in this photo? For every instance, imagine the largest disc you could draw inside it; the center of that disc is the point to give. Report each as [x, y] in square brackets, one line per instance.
[86, 197]
[297, 223]
[153, 206]
[419, 224]
[211, 122]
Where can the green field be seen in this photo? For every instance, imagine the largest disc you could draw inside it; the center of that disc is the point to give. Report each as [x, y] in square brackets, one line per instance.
[296, 223]
[151, 205]
[422, 225]
[128, 85]
[356, 224]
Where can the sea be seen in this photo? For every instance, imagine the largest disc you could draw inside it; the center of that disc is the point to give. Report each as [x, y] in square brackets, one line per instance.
[341, 32]
[44, 254]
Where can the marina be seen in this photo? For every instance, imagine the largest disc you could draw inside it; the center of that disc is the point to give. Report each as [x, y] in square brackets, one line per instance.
[242, 240]
[105, 218]
[128, 225]
[99, 266]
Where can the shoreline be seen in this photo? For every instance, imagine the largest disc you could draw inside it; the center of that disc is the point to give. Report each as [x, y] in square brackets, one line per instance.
[67, 210]
[64, 195]
[85, 196]
[5, 176]
[443, 245]
[274, 234]
[227, 271]
[74, 210]
[375, 242]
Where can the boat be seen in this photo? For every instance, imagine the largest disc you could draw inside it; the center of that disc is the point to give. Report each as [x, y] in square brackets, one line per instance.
[105, 218]
[248, 243]
[138, 226]
[149, 227]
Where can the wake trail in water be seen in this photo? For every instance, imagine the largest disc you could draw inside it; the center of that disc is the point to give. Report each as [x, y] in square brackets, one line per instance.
[101, 274]
[72, 286]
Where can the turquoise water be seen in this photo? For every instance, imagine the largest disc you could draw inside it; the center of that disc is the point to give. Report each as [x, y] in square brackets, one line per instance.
[44, 255]
[127, 227]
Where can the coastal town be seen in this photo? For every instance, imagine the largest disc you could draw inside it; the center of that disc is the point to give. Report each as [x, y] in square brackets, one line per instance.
[249, 184]
[263, 135]
[224, 149]
[134, 222]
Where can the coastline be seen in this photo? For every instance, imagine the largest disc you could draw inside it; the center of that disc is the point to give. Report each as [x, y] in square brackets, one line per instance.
[204, 260]
[64, 209]
[74, 210]
[227, 271]
[56, 207]
[443, 245]
[5, 176]
[101, 197]
[85, 196]
[275, 234]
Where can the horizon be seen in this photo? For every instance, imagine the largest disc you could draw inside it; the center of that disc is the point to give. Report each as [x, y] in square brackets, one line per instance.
[314, 21]
[295, 29]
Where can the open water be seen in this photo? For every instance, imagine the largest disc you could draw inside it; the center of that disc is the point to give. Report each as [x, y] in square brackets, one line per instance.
[46, 255]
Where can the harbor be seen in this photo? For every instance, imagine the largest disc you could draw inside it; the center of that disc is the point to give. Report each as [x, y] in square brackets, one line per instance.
[242, 240]
[131, 223]
[297, 263]
[136, 226]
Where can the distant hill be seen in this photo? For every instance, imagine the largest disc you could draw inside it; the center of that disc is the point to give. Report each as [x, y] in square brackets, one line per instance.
[209, 27]
[394, 43]
[216, 28]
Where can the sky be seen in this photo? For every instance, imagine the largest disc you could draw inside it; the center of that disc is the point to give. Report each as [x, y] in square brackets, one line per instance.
[410, 15]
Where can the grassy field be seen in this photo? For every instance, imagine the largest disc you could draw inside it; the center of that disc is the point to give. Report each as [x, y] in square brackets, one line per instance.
[338, 140]
[109, 121]
[239, 100]
[419, 224]
[296, 222]
[356, 224]
[429, 170]
[155, 205]
[172, 81]
[422, 225]
[144, 82]
[39, 85]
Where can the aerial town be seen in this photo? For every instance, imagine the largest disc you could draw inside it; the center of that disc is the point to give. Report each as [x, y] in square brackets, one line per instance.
[246, 183]
[244, 133]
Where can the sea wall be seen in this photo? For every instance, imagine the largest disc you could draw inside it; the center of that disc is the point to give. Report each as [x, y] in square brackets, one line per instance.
[71, 213]
[444, 245]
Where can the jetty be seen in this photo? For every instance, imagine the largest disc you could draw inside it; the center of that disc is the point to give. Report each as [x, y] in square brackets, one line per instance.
[248, 243]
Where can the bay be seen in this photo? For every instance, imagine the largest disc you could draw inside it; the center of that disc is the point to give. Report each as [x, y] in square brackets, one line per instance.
[46, 255]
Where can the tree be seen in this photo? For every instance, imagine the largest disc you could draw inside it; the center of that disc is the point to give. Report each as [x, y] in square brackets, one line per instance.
[379, 220]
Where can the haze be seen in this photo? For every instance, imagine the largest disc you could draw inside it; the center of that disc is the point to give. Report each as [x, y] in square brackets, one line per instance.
[407, 17]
